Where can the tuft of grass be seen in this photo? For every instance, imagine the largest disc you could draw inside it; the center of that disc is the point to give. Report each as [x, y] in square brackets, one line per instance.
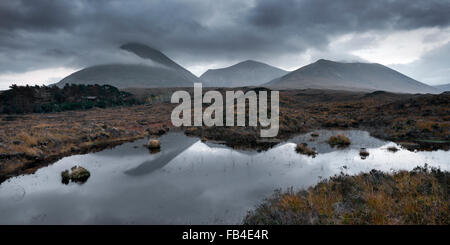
[305, 150]
[420, 196]
[28, 139]
[339, 140]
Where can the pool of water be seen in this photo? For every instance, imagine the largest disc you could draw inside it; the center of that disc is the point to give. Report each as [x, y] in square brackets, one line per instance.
[189, 182]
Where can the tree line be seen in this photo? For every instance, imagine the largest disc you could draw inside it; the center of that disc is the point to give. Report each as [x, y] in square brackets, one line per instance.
[43, 99]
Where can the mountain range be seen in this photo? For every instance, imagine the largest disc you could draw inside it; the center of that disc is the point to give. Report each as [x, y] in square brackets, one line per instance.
[163, 72]
[246, 73]
[326, 74]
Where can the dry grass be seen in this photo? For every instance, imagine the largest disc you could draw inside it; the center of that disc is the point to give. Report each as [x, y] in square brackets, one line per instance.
[339, 140]
[35, 139]
[420, 196]
[28, 139]
[305, 150]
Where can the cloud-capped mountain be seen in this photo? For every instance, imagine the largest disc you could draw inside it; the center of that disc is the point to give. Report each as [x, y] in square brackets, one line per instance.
[163, 72]
[325, 74]
[246, 73]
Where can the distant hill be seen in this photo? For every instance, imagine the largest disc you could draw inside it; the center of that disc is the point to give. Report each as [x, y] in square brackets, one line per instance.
[443, 87]
[164, 73]
[246, 73]
[325, 74]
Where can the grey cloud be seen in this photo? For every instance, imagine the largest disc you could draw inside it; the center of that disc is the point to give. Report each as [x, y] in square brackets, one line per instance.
[433, 68]
[78, 33]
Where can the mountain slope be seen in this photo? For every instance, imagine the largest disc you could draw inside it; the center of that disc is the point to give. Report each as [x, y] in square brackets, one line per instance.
[325, 74]
[247, 73]
[164, 73]
[443, 87]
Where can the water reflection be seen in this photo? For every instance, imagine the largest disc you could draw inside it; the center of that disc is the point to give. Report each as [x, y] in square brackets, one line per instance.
[188, 182]
[174, 144]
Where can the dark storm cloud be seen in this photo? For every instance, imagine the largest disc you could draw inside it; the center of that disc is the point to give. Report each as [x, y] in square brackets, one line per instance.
[46, 33]
[42, 15]
[351, 15]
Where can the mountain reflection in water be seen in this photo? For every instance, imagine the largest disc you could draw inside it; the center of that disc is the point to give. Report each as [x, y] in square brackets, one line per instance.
[188, 181]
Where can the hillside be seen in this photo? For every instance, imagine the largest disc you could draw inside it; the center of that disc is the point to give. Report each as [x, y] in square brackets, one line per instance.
[325, 74]
[246, 73]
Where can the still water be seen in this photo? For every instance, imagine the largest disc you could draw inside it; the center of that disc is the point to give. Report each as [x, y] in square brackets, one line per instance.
[189, 182]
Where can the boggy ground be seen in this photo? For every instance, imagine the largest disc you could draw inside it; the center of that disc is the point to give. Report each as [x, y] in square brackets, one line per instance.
[30, 141]
[415, 121]
[420, 196]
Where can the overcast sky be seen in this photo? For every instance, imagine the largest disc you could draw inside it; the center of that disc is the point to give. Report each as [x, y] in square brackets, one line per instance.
[43, 41]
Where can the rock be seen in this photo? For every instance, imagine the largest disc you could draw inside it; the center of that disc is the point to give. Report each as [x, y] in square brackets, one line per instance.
[363, 153]
[78, 174]
[153, 144]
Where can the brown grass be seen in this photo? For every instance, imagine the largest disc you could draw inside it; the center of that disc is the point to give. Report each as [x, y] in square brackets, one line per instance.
[339, 140]
[420, 196]
[305, 150]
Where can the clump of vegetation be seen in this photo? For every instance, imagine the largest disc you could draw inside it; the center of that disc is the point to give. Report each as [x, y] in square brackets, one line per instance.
[392, 149]
[363, 153]
[420, 196]
[305, 150]
[78, 174]
[153, 144]
[43, 99]
[339, 140]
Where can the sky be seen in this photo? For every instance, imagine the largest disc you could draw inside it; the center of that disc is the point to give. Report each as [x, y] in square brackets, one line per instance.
[43, 41]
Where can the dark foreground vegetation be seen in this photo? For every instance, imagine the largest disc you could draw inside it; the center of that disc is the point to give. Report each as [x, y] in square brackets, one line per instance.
[44, 99]
[420, 196]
